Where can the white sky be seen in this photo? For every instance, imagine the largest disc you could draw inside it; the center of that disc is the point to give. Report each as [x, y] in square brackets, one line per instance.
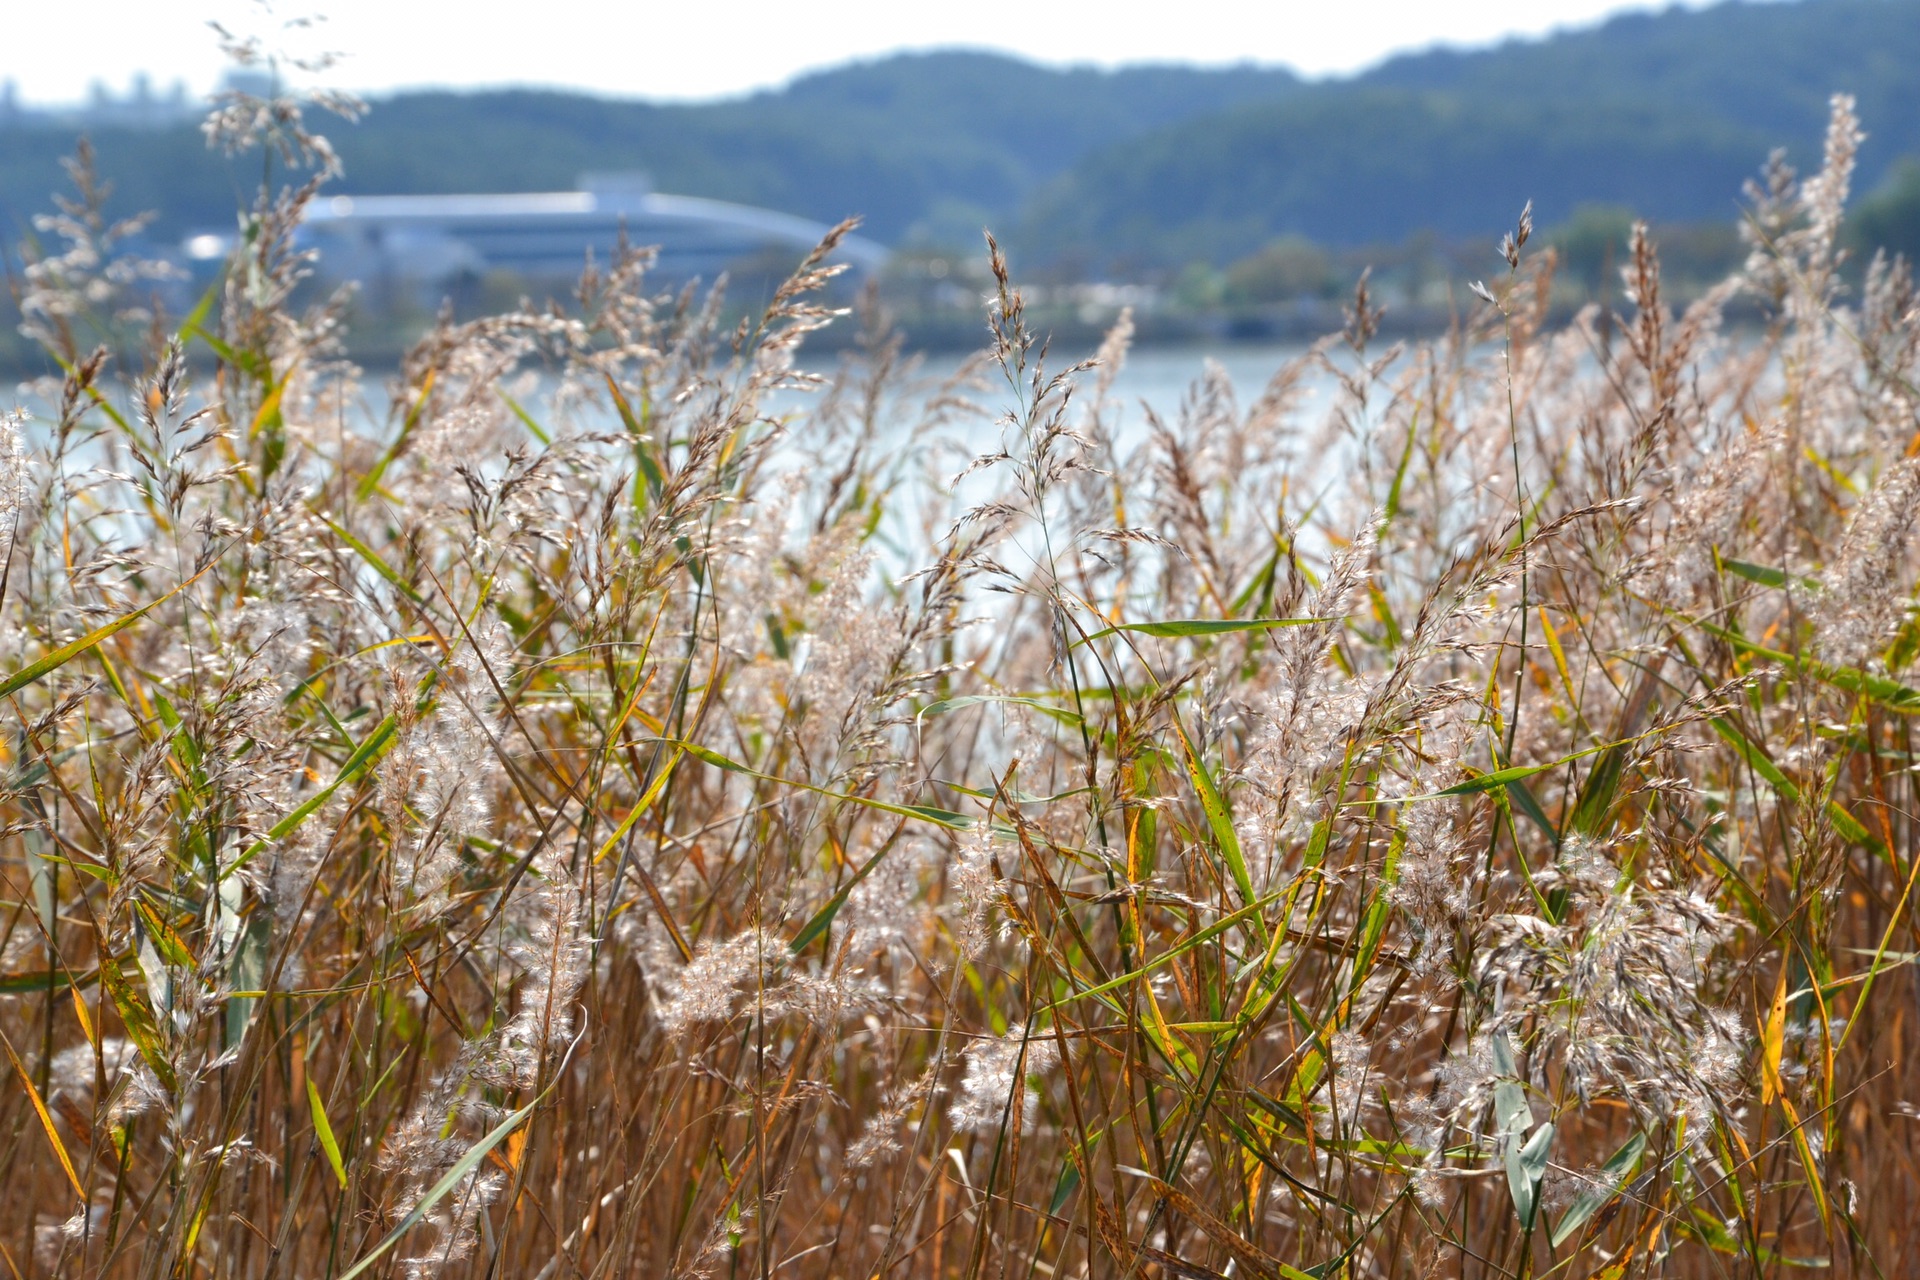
[706, 48]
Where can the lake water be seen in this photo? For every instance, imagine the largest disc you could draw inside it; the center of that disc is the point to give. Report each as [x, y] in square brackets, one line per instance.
[1161, 375]
[1157, 376]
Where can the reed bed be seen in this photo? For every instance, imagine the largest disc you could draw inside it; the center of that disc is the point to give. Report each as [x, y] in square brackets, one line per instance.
[671, 826]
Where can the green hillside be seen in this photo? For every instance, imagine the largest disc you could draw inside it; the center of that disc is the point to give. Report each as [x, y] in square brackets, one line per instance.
[1085, 171]
[923, 142]
[1363, 165]
[1768, 65]
[1664, 113]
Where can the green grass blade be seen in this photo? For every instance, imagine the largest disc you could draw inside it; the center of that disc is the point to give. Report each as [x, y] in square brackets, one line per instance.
[925, 813]
[1889, 693]
[1526, 1167]
[1206, 935]
[650, 469]
[1219, 819]
[375, 562]
[324, 1132]
[823, 918]
[1589, 1202]
[68, 652]
[363, 755]
[641, 806]
[465, 1165]
[1764, 575]
[1506, 777]
[526, 419]
[137, 1017]
[371, 481]
[1199, 627]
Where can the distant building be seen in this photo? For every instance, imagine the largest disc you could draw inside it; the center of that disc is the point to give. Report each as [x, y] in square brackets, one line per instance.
[142, 107]
[420, 244]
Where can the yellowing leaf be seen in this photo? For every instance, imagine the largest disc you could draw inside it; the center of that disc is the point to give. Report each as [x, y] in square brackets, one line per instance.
[1773, 1041]
[46, 1121]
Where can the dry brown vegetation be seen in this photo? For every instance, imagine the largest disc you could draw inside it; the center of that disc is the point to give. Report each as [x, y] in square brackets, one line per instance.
[650, 828]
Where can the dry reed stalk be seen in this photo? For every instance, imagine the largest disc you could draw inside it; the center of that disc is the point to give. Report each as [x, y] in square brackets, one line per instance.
[582, 845]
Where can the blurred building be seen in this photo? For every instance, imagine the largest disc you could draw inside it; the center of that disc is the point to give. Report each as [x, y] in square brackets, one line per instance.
[141, 107]
[416, 247]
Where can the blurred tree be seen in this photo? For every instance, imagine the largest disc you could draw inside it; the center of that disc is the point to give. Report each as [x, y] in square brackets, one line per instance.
[1889, 218]
[1591, 242]
[1199, 287]
[1291, 267]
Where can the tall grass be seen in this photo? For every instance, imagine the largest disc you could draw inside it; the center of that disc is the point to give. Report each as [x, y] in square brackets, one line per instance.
[648, 829]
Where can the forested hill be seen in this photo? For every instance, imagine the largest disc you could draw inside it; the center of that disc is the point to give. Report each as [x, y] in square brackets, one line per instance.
[935, 142]
[1770, 66]
[1665, 112]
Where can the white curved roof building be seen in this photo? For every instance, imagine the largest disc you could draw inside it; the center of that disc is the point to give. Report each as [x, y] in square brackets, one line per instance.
[427, 239]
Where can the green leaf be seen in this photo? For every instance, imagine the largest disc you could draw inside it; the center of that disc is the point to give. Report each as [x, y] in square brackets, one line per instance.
[1064, 1187]
[1597, 793]
[363, 755]
[1383, 610]
[1503, 1063]
[1713, 1233]
[324, 1132]
[1843, 822]
[640, 807]
[1261, 584]
[137, 1017]
[1014, 794]
[1613, 1175]
[926, 813]
[1502, 777]
[1906, 644]
[1400, 472]
[1510, 1108]
[438, 1192]
[1765, 575]
[824, 916]
[248, 971]
[1851, 830]
[650, 469]
[1756, 759]
[35, 982]
[371, 481]
[1174, 952]
[526, 419]
[1220, 819]
[68, 652]
[190, 327]
[946, 705]
[1526, 1166]
[374, 562]
[219, 347]
[1523, 799]
[1278, 1110]
[1200, 627]
[1890, 693]
[269, 425]
[171, 946]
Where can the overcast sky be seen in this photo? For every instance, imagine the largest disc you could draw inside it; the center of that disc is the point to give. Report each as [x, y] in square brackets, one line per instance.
[707, 48]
